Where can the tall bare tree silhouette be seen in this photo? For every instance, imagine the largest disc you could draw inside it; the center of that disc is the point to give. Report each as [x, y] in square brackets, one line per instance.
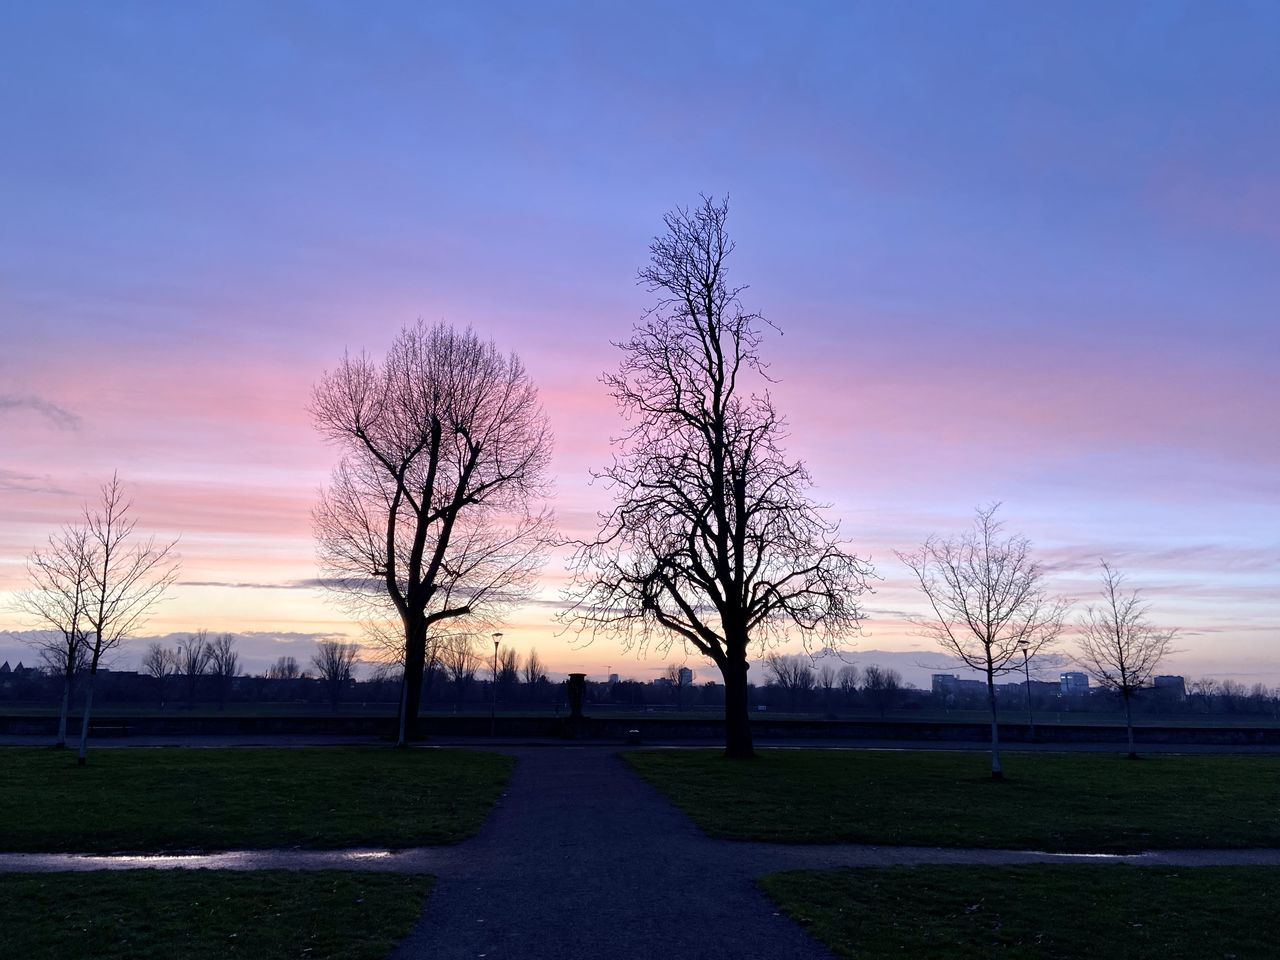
[434, 511]
[713, 539]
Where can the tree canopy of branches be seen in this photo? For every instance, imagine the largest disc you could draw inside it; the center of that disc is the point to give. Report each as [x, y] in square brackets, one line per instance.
[224, 664]
[127, 578]
[59, 577]
[285, 668]
[989, 603]
[334, 663]
[533, 669]
[434, 511]
[460, 657]
[160, 663]
[1119, 645]
[713, 540]
[882, 687]
[508, 671]
[193, 655]
[792, 674]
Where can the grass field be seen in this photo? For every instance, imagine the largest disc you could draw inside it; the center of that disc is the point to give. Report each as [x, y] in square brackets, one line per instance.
[217, 799]
[1066, 802]
[1021, 913]
[207, 914]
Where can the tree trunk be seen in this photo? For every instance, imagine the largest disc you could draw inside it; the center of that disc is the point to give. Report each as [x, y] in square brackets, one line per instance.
[1128, 720]
[402, 722]
[997, 772]
[62, 712]
[84, 722]
[737, 714]
[414, 663]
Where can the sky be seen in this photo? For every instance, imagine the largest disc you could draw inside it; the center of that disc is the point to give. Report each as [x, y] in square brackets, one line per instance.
[1017, 252]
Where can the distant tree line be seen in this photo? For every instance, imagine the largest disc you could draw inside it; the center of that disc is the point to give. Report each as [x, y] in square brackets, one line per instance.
[203, 672]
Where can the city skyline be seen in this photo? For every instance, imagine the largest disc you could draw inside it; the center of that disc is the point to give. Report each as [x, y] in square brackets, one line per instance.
[1028, 272]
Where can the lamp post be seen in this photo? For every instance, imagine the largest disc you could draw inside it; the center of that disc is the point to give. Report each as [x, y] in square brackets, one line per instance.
[1026, 672]
[493, 704]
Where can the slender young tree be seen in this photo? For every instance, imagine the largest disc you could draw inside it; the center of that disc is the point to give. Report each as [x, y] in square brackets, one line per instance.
[713, 540]
[988, 599]
[1119, 645]
[127, 578]
[434, 512]
[59, 575]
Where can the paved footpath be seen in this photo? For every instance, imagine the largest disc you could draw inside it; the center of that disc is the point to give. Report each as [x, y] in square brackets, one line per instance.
[582, 858]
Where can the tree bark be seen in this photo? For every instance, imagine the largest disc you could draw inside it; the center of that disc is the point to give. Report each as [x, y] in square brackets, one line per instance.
[1128, 720]
[84, 722]
[737, 713]
[997, 772]
[62, 712]
[414, 662]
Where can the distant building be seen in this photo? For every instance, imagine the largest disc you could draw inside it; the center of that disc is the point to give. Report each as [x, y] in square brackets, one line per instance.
[686, 676]
[1073, 683]
[949, 685]
[613, 678]
[1173, 687]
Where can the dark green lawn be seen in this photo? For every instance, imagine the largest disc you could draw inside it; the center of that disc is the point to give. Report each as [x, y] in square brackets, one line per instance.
[1069, 802]
[207, 914]
[1019, 913]
[217, 799]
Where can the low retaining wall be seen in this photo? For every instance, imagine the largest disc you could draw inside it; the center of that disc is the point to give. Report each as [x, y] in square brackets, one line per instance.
[651, 729]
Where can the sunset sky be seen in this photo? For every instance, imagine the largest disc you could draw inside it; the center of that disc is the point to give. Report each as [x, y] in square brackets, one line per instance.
[1018, 252]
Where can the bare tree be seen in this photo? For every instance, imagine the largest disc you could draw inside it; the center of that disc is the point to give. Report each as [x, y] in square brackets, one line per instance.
[508, 671]
[793, 675]
[989, 603]
[160, 663]
[460, 658]
[285, 668]
[826, 678]
[881, 687]
[1119, 645]
[432, 514]
[679, 676]
[848, 680]
[193, 655]
[533, 669]
[126, 580]
[224, 665]
[713, 540]
[334, 663]
[59, 575]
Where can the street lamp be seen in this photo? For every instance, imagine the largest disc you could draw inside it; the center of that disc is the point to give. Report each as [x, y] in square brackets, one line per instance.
[1026, 672]
[493, 705]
